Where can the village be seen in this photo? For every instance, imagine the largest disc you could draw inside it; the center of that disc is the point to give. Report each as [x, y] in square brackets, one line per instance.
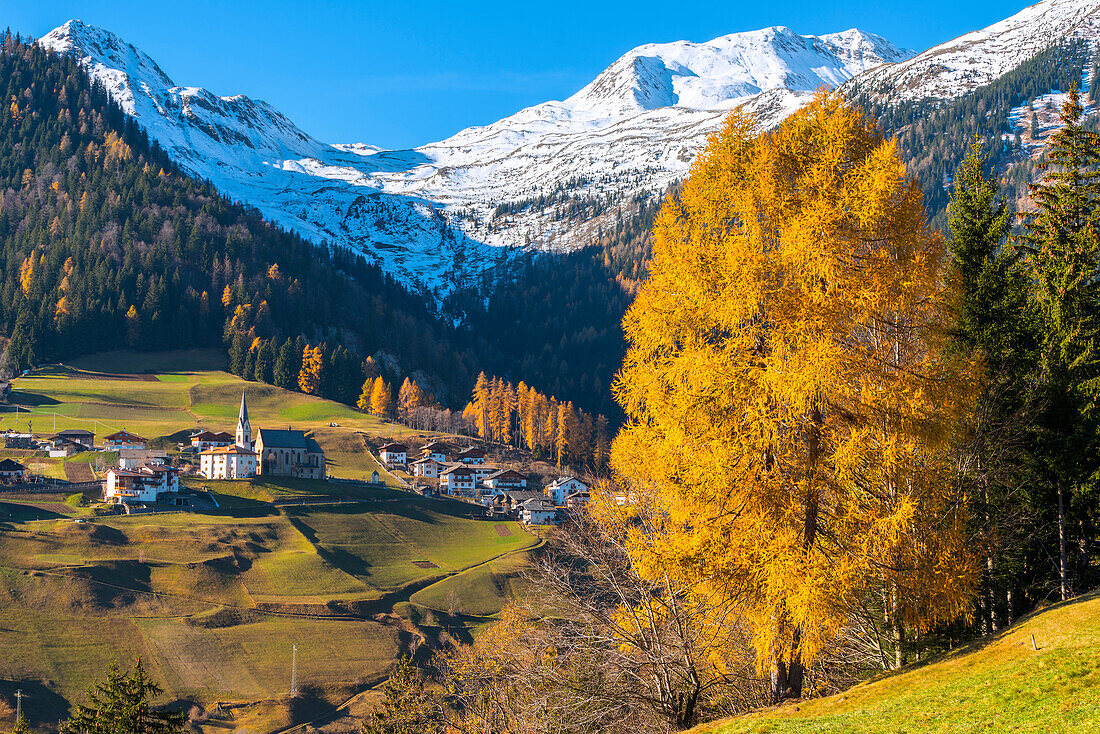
[439, 469]
[145, 479]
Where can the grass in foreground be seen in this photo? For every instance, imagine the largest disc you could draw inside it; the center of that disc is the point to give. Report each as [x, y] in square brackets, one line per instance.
[1000, 685]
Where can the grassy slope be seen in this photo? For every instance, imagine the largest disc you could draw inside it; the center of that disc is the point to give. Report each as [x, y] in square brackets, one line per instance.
[205, 596]
[164, 394]
[998, 686]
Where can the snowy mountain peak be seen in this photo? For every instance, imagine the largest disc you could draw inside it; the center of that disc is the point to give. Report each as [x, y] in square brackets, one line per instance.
[434, 215]
[143, 90]
[721, 73]
[979, 57]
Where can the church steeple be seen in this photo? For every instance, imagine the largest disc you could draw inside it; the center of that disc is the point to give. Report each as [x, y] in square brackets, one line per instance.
[244, 428]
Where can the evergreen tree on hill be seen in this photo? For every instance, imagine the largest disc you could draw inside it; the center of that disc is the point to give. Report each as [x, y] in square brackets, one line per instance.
[1063, 251]
[122, 705]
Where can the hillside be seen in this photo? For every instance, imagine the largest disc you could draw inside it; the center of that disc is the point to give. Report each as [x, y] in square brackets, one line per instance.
[106, 244]
[995, 685]
[213, 600]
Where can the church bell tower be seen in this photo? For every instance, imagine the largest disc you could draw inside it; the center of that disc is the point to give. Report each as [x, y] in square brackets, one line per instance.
[244, 428]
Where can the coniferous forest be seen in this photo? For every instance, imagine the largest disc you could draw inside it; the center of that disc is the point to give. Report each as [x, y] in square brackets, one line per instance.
[106, 245]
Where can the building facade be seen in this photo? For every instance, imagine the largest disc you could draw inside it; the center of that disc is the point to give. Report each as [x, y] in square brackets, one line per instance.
[288, 453]
[228, 462]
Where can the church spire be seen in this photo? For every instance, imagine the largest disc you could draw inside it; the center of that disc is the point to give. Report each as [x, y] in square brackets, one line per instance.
[244, 428]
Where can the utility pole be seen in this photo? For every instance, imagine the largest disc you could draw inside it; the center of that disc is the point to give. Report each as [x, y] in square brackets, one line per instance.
[18, 705]
[294, 670]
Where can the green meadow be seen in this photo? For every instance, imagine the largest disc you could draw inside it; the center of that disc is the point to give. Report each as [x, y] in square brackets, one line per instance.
[215, 600]
[1002, 684]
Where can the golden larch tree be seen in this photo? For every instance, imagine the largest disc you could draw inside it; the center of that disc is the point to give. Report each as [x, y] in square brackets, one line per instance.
[363, 403]
[309, 378]
[790, 404]
[381, 399]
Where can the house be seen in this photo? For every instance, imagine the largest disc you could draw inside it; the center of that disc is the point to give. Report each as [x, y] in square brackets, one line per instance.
[471, 456]
[562, 487]
[143, 484]
[510, 500]
[436, 451]
[123, 440]
[504, 479]
[483, 471]
[61, 446]
[393, 453]
[426, 467]
[288, 453]
[204, 440]
[12, 471]
[228, 462]
[538, 511]
[78, 436]
[457, 479]
[23, 441]
[136, 458]
[578, 500]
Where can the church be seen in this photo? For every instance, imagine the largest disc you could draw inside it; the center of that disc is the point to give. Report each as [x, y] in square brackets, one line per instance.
[277, 453]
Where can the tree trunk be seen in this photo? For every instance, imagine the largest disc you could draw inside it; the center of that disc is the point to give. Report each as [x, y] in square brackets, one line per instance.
[1011, 607]
[779, 681]
[989, 622]
[1062, 544]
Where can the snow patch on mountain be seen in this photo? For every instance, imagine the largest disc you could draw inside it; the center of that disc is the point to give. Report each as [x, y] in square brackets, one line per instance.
[972, 60]
[428, 215]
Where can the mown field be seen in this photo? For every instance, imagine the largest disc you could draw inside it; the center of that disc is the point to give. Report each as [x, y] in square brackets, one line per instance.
[998, 685]
[215, 600]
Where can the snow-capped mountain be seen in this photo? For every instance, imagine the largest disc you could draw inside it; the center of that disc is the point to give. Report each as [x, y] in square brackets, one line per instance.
[977, 58]
[427, 214]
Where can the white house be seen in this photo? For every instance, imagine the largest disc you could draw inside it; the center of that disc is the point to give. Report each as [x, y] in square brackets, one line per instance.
[123, 440]
[436, 451]
[394, 453]
[539, 511]
[471, 456]
[426, 467]
[457, 479]
[562, 487]
[504, 479]
[228, 462]
[483, 471]
[140, 485]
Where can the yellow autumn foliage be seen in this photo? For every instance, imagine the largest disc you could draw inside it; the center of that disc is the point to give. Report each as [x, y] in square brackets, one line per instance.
[790, 404]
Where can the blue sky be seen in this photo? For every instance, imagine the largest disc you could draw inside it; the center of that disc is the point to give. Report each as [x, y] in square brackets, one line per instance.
[404, 72]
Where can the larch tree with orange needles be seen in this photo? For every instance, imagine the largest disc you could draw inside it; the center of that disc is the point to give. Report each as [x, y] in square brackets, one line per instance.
[790, 403]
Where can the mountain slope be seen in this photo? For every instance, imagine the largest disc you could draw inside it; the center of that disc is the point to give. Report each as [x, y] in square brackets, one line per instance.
[427, 215]
[977, 58]
[104, 244]
[996, 685]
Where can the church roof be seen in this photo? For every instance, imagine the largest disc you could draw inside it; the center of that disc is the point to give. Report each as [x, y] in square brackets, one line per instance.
[271, 438]
[242, 417]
